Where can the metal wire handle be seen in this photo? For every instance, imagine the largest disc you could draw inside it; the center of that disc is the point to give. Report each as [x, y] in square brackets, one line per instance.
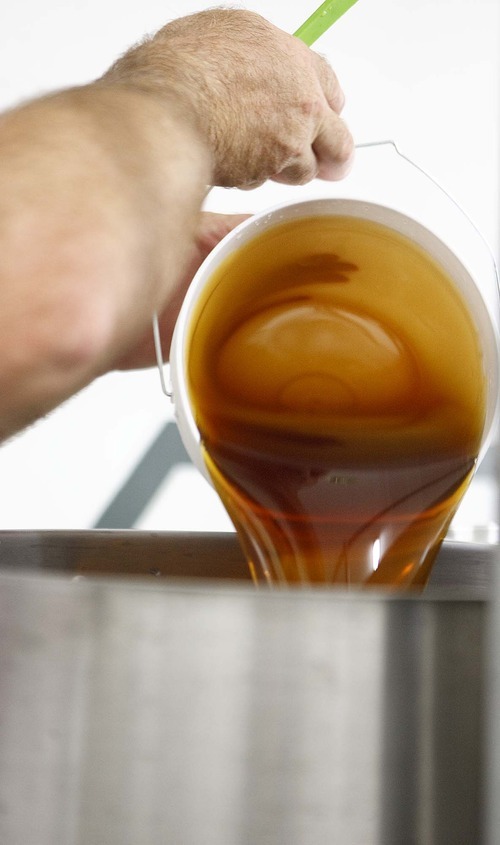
[159, 356]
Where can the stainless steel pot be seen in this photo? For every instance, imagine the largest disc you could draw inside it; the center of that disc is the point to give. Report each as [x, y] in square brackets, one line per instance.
[178, 706]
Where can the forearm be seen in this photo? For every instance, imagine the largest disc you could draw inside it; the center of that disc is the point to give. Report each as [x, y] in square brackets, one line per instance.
[100, 190]
[101, 187]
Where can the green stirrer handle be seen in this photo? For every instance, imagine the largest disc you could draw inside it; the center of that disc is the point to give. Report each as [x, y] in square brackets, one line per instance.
[322, 19]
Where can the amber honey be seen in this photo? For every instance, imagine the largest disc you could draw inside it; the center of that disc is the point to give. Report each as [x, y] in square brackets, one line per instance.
[336, 378]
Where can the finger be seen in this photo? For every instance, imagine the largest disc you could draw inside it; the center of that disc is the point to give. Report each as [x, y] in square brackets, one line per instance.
[250, 186]
[329, 83]
[213, 227]
[300, 171]
[333, 148]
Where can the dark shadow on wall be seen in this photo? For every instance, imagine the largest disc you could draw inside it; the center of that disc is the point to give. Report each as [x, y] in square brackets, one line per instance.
[164, 453]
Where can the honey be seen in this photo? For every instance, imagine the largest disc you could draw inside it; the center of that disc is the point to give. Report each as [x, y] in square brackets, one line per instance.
[337, 381]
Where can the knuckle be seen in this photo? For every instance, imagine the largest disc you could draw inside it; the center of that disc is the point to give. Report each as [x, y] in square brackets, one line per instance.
[312, 107]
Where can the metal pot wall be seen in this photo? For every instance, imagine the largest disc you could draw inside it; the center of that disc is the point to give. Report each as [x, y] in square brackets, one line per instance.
[167, 707]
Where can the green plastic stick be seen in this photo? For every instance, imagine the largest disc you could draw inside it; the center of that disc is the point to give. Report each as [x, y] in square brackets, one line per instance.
[322, 19]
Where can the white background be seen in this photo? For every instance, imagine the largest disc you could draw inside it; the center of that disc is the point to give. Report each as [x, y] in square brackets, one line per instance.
[425, 74]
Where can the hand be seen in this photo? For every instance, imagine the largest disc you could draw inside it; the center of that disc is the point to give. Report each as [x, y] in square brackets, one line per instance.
[212, 228]
[267, 105]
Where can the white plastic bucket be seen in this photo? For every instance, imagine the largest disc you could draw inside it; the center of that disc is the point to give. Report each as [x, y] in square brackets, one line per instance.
[479, 297]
